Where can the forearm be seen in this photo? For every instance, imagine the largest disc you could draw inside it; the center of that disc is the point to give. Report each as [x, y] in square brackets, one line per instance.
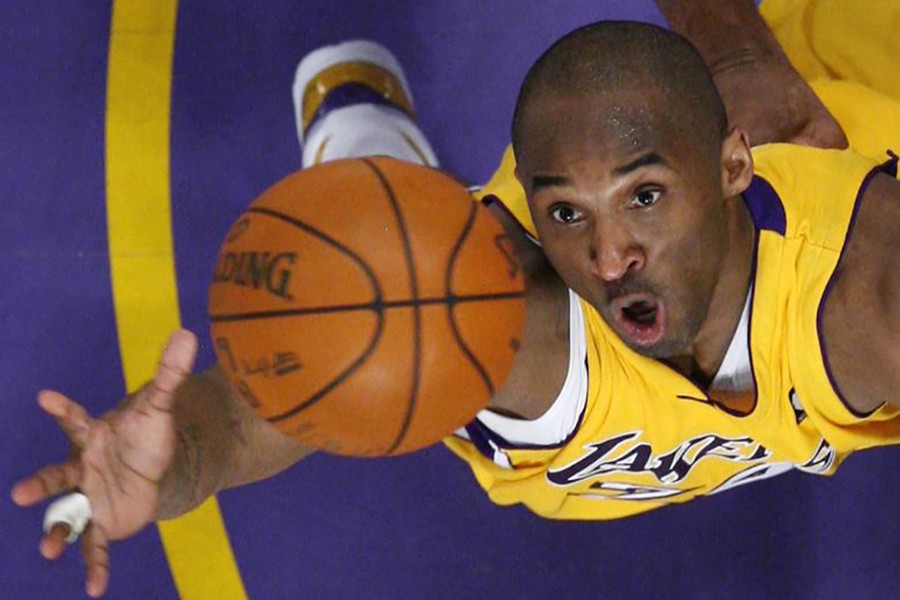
[762, 92]
[220, 443]
[727, 33]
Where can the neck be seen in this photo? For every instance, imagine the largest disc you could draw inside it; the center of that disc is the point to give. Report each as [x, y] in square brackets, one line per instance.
[729, 295]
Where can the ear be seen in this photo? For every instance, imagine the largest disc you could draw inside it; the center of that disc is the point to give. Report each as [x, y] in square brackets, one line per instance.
[737, 163]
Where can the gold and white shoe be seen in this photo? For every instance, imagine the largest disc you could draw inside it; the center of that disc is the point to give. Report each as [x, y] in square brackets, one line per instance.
[353, 100]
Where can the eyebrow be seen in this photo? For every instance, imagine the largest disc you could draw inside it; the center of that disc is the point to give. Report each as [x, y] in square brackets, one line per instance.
[650, 158]
[539, 182]
[544, 181]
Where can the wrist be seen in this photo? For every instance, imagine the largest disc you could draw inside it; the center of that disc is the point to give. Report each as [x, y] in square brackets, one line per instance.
[178, 490]
[202, 447]
[746, 58]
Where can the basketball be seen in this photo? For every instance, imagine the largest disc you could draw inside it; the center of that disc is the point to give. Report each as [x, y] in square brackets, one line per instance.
[366, 307]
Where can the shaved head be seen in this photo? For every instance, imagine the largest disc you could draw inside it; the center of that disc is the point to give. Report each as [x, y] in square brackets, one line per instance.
[613, 56]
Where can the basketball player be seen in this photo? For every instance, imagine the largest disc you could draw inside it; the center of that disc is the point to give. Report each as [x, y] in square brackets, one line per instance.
[184, 437]
[740, 310]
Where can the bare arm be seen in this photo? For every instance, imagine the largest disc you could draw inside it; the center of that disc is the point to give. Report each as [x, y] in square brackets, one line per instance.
[220, 443]
[542, 360]
[762, 92]
[861, 320]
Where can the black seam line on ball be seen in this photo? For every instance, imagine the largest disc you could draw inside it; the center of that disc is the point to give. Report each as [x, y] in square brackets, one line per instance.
[376, 335]
[414, 293]
[363, 306]
[342, 248]
[451, 314]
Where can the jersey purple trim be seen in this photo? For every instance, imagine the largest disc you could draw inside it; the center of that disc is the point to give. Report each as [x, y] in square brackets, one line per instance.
[765, 206]
[890, 165]
[349, 94]
[481, 436]
[888, 168]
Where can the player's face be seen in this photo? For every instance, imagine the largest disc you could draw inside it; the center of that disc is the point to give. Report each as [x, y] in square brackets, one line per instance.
[629, 213]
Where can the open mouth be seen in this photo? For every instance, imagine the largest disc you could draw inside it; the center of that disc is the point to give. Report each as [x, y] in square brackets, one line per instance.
[641, 317]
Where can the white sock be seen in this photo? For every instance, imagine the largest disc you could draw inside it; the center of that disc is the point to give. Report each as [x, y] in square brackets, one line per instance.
[363, 130]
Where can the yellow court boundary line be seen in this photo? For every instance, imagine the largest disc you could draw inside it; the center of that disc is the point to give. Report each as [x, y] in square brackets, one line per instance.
[141, 255]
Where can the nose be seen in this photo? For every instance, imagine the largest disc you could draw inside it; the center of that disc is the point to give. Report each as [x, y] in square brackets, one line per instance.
[614, 252]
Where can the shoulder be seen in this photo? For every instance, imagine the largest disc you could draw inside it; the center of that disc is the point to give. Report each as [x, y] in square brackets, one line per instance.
[799, 191]
[799, 169]
[504, 186]
[790, 168]
[861, 318]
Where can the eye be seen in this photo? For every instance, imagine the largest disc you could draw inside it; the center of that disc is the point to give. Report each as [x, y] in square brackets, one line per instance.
[564, 214]
[645, 198]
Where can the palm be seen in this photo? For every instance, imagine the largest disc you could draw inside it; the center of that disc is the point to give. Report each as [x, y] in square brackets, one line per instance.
[118, 461]
[124, 459]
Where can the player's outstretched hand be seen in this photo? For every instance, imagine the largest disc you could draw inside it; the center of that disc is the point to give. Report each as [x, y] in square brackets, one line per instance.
[769, 99]
[117, 462]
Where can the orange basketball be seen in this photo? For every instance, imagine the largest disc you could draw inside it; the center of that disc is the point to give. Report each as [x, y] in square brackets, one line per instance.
[366, 307]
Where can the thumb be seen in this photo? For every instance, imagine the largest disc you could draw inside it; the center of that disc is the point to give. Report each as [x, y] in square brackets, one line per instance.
[174, 367]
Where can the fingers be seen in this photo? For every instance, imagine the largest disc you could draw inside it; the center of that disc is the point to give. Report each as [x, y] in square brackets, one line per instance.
[70, 416]
[72, 509]
[175, 365]
[95, 550]
[49, 481]
[54, 541]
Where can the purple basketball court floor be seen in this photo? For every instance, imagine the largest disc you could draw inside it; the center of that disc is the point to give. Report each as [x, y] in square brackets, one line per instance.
[406, 528]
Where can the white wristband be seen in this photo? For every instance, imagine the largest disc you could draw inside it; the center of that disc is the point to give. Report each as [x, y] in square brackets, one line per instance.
[74, 510]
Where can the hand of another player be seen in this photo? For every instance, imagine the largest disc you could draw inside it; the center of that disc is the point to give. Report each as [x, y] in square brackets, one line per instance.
[769, 99]
[117, 461]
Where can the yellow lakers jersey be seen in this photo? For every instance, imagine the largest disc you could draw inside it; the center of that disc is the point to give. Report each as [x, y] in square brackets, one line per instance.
[647, 436]
[803, 201]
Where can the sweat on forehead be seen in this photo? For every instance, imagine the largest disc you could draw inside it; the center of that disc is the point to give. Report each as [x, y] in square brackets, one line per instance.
[611, 56]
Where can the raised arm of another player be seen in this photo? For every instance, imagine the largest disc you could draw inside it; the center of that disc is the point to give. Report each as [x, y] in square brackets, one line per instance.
[157, 455]
[763, 93]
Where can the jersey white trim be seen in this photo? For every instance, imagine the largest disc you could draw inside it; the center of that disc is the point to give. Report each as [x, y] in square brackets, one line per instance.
[736, 372]
[559, 422]
[561, 419]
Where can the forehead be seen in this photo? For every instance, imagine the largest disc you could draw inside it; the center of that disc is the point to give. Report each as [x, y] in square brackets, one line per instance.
[561, 129]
